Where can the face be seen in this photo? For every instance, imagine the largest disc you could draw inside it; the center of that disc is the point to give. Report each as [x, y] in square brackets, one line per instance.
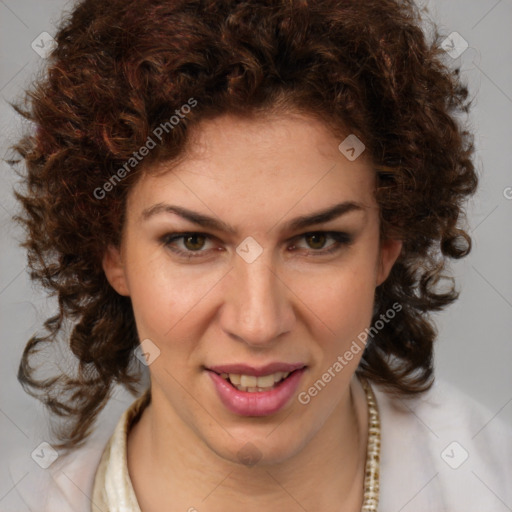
[231, 271]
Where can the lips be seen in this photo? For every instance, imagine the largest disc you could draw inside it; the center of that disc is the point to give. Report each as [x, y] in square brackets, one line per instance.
[254, 401]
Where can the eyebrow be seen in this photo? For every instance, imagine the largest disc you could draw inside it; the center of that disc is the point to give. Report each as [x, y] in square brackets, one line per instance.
[301, 222]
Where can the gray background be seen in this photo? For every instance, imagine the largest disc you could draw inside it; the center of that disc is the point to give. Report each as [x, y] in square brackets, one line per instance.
[474, 349]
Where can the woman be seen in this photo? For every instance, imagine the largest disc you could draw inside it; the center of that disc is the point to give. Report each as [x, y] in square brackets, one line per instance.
[253, 203]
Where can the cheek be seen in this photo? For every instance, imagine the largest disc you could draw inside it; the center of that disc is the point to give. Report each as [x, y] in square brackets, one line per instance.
[340, 302]
[165, 297]
[347, 289]
[343, 302]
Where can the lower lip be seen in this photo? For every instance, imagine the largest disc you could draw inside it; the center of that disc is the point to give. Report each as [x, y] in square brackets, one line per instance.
[259, 403]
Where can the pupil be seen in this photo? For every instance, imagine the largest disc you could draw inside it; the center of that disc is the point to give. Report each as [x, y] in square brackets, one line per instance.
[315, 237]
[192, 237]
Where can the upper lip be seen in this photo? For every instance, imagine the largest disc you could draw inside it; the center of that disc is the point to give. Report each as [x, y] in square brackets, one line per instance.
[244, 369]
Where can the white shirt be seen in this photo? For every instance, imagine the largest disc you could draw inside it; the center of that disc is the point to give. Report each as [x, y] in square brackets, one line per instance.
[440, 452]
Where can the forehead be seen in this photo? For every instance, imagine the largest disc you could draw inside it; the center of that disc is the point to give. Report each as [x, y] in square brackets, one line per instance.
[268, 140]
[248, 166]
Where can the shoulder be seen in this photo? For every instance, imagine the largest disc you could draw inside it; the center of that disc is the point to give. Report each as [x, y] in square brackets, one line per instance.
[443, 451]
[64, 484]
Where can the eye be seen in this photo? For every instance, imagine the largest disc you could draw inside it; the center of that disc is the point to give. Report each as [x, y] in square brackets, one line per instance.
[194, 243]
[317, 239]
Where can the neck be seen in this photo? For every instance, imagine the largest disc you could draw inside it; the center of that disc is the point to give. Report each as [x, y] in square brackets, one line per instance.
[166, 456]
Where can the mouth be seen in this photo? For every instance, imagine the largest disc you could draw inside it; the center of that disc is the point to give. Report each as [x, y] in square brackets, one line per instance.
[249, 391]
[253, 384]
[253, 380]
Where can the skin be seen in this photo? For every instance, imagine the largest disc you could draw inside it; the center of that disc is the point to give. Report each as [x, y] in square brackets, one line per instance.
[291, 304]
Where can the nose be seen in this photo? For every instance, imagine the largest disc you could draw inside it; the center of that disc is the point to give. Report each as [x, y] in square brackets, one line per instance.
[257, 309]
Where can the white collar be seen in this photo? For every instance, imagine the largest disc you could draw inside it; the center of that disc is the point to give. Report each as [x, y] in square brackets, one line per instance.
[112, 489]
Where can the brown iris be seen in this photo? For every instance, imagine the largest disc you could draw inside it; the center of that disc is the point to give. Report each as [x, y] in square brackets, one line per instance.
[193, 247]
[316, 236]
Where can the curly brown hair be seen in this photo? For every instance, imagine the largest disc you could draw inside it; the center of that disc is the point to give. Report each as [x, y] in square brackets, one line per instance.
[123, 67]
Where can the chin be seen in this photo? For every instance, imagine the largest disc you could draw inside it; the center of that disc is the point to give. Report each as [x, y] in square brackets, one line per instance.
[252, 450]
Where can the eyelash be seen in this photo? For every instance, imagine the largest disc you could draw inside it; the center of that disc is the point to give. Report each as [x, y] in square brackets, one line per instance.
[341, 239]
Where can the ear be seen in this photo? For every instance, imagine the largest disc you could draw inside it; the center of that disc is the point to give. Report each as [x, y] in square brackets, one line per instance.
[113, 267]
[389, 251]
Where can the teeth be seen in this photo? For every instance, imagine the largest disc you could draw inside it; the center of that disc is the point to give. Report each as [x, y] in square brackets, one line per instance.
[265, 381]
[254, 384]
[235, 379]
[249, 381]
[278, 376]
